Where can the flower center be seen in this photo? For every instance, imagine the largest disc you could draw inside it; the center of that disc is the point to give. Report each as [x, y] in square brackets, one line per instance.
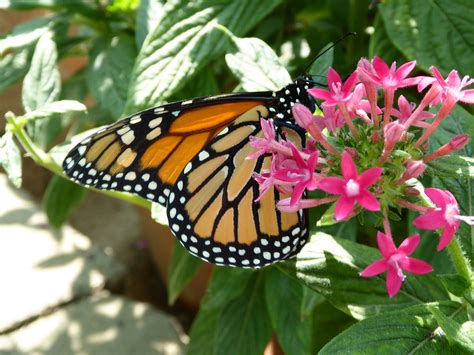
[393, 261]
[352, 188]
[450, 213]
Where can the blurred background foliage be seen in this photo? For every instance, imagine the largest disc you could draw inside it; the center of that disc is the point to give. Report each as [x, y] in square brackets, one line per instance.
[137, 54]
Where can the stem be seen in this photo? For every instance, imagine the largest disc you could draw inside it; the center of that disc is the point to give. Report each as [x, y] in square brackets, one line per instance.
[43, 159]
[349, 121]
[459, 260]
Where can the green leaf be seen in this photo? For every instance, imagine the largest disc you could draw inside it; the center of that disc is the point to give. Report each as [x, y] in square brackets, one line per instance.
[14, 66]
[415, 25]
[108, 75]
[61, 199]
[184, 41]
[456, 284]
[182, 269]
[26, 34]
[256, 65]
[148, 15]
[123, 5]
[380, 44]
[331, 266]
[85, 7]
[225, 285]
[311, 299]
[461, 335]
[319, 69]
[411, 331]
[10, 158]
[292, 328]
[244, 325]
[55, 110]
[452, 166]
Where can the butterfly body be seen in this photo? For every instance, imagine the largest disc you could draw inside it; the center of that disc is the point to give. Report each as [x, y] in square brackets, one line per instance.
[190, 157]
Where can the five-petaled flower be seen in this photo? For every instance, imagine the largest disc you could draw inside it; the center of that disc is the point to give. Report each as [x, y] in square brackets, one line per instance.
[445, 215]
[339, 92]
[395, 260]
[351, 188]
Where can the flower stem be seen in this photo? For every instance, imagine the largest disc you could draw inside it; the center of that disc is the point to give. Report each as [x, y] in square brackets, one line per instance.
[41, 158]
[459, 260]
[348, 120]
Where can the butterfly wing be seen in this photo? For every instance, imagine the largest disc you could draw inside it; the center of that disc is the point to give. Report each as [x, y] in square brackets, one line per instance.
[212, 209]
[146, 152]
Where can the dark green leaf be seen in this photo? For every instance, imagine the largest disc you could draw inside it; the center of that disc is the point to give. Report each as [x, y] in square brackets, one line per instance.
[458, 335]
[244, 326]
[331, 266]
[163, 66]
[10, 158]
[14, 66]
[453, 166]
[319, 69]
[111, 64]
[148, 15]
[380, 44]
[60, 199]
[436, 33]
[203, 83]
[182, 269]
[293, 329]
[256, 65]
[456, 284]
[311, 299]
[411, 331]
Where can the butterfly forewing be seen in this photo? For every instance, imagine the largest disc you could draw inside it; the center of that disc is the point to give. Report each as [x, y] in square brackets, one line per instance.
[145, 153]
[212, 208]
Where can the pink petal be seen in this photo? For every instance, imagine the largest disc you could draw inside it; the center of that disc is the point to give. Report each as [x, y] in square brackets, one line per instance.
[332, 185]
[297, 193]
[431, 220]
[415, 266]
[333, 77]
[368, 201]
[349, 170]
[297, 156]
[446, 237]
[369, 177]
[393, 282]
[405, 70]
[424, 82]
[386, 245]
[312, 161]
[320, 94]
[380, 67]
[439, 197]
[453, 79]
[350, 82]
[409, 245]
[344, 207]
[377, 267]
[468, 96]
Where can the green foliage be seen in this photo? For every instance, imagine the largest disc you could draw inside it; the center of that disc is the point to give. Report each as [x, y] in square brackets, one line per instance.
[142, 53]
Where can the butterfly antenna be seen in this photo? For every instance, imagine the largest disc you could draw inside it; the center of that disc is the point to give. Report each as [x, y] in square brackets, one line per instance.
[305, 71]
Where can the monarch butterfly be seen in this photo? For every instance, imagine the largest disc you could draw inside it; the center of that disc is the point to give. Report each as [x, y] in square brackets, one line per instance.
[190, 157]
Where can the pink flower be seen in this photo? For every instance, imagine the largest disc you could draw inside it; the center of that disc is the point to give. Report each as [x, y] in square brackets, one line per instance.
[302, 176]
[351, 188]
[445, 215]
[356, 106]
[388, 78]
[331, 119]
[395, 261]
[267, 143]
[339, 92]
[452, 87]
[405, 109]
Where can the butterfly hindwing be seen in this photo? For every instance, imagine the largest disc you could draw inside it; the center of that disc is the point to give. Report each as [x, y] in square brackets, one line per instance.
[146, 152]
[212, 208]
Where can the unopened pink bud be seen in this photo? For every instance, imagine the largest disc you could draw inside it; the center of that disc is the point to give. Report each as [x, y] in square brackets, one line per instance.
[459, 142]
[303, 116]
[352, 152]
[454, 144]
[393, 132]
[414, 169]
[411, 191]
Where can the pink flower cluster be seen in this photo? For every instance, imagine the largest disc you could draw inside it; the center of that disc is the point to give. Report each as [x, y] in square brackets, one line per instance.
[350, 155]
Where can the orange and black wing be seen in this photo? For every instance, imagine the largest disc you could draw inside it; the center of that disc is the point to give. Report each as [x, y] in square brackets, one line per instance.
[146, 152]
[212, 209]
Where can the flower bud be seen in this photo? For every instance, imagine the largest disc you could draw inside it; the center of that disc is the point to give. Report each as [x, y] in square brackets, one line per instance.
[458, 142]
[393, 132]
[414, 169]
[454, 144]
[303, 116]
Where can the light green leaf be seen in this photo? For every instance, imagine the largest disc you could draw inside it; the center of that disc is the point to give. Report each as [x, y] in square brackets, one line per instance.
[158, 213]
[61, 198]
[85, 7]
[331, 266]
[184, 41]
[182, 269]
[453, 166]
[108, 75]
[293, 329]
[461, 335]
[14, 66]
[26, 34]
[55, 110]
[415, 25]
[123, 5]
[148, 15]
[411, 331]
[244, 326]
[10, 158]
[256, 65]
